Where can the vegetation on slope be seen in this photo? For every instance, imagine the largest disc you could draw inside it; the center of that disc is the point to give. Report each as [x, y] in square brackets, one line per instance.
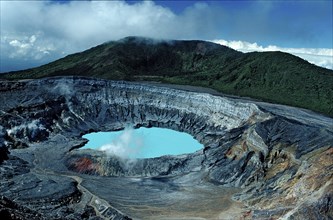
[270, 76]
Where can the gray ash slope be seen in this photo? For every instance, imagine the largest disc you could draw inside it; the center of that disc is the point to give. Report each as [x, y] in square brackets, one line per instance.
[278, 158]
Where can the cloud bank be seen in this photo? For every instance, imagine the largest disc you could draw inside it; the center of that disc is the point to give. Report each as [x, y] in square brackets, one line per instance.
[37, 32]
[319, 56]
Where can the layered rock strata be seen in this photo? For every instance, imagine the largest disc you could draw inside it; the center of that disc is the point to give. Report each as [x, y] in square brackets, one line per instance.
[278, 159]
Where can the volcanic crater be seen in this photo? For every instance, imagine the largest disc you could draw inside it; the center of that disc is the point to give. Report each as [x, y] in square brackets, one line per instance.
[259, 160]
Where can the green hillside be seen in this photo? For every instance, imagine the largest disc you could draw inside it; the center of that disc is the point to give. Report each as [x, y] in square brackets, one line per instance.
[269, 76]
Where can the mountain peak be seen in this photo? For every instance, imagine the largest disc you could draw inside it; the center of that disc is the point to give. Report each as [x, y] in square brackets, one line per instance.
[140, 39]
[269, 76]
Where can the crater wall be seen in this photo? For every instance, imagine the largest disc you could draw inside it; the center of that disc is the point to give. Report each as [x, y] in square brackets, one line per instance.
[268, 151]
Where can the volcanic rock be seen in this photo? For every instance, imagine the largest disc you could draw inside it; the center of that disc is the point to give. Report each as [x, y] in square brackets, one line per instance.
[259, 160]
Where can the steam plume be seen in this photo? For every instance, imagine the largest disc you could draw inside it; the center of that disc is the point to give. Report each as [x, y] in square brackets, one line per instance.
[126, 145]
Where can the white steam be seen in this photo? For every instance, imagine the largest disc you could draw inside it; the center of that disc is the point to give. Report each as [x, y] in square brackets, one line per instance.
[63, 89]
[126, 145]
[34, 125]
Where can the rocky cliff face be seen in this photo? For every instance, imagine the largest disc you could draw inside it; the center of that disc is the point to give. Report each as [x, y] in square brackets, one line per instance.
[278, 159]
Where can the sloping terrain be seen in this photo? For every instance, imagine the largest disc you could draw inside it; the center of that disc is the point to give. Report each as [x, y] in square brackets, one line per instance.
[269, 76]
[260, 161]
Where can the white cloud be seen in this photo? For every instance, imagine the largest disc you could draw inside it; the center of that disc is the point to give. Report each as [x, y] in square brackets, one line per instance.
[32, 39]
[41, 31]
[318, 56]
[27, 47]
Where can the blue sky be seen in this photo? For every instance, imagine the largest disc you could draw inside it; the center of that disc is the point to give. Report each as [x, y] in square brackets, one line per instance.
[301, 23]
[37, 32]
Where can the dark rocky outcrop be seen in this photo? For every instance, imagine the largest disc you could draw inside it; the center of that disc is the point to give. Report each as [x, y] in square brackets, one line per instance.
[275, 160]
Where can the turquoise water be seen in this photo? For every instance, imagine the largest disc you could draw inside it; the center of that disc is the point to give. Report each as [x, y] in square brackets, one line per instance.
[143, 142]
